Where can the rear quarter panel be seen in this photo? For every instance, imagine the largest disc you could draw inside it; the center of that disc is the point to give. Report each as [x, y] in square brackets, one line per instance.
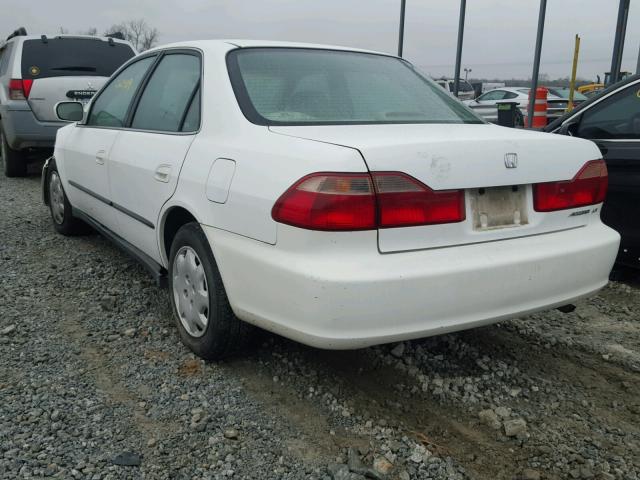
[266, 165]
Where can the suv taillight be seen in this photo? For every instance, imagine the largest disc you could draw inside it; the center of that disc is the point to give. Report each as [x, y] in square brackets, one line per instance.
[19, 89]
[588, 187]
[362, 201]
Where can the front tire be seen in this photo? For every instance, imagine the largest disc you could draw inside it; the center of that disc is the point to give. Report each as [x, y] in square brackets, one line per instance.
[14, 161]
[61, 212]
[201, 309]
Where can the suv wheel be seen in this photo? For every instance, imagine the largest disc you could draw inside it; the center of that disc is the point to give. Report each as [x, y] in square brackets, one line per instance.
[201, 309]
[63, 220]
[15, 165]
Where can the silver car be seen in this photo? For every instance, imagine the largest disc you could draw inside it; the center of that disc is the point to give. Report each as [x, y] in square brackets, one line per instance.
[36, 72]
[486, 105]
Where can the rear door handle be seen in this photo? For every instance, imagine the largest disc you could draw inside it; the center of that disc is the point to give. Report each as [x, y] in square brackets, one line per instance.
[163, 173]
[101, 156]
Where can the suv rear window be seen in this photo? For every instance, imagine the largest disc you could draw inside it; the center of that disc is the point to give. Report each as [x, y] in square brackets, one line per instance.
[65, 57]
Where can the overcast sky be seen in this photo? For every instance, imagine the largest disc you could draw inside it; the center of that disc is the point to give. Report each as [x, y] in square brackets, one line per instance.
[499, 36]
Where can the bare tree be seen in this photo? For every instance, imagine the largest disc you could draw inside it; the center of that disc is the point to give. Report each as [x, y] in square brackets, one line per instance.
[63, 31]
[138, 32]
[93, 31]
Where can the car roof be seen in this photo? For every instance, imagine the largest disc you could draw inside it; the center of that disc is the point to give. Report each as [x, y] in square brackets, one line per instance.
[519, 91]
[240, 43]
[20, 38]
[591, 100]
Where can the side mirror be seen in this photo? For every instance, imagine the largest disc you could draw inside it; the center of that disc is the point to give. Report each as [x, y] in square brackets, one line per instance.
[570, 127]
[70, 111]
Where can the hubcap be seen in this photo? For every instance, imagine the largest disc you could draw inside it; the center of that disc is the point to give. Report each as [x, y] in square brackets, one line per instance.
[56, 198]
[190, 292]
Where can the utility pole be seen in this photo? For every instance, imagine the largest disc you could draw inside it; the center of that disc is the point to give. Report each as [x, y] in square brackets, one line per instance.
[574, 70]
[456, 77]
[618, 43]
[638, 64]
[536, 60]
[403, 4]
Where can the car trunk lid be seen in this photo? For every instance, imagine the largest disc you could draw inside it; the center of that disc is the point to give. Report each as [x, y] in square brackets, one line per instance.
[478, 159]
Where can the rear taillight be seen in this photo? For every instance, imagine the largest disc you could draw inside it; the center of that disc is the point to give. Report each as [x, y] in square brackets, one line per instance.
[19, 89]
[588, 187]
[329, 201]
[362, 201]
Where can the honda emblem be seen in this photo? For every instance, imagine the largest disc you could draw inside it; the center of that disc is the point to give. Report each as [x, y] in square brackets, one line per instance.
[511, 160]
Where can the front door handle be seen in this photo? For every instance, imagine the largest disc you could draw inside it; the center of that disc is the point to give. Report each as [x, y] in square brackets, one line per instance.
[101, 156]
[163, 173]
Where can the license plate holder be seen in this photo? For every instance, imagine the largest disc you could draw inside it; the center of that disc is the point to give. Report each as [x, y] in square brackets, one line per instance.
[499, 207]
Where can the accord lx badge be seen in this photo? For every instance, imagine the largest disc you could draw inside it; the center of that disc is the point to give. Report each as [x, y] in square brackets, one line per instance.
[511, 160]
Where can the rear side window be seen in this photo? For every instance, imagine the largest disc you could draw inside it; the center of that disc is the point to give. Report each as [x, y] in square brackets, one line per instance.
[111, 107]
[5, 53]
[493, 95]
[64, 57]
[168, 93]
[192, 118]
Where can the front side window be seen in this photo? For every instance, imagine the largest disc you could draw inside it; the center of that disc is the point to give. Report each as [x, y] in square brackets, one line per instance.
[110, 108]
[616, 117]
[167, 95]
[297, 86]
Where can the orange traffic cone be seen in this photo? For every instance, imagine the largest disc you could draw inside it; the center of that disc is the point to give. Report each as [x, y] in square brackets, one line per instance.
[539, 108]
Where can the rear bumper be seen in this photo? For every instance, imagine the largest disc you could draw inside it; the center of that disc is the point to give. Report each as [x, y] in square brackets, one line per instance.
[346, 296]
[23, 130]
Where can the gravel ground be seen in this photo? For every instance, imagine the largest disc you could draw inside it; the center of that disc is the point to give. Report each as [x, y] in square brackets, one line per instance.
[95, 384]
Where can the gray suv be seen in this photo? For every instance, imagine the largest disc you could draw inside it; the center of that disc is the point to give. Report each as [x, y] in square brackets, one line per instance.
[37, 72]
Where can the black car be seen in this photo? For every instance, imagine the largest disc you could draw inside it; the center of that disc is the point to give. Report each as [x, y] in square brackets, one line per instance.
[612, 121]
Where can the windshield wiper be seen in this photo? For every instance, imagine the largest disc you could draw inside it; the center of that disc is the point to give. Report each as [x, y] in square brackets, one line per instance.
[76, 68]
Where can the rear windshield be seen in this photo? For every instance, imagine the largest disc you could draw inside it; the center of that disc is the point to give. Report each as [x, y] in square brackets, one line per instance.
[63, 57]
[464, 86]
[297, 86]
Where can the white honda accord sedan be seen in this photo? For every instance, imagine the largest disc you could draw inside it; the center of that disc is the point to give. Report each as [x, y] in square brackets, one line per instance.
[333, 196]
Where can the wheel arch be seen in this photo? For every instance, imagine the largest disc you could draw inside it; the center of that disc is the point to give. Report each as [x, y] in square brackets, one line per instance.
[44, 179]
[172, 218]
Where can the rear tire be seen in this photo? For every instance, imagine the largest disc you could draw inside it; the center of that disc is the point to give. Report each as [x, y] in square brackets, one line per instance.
[14, 161]
[201, 309]
[61, 211]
